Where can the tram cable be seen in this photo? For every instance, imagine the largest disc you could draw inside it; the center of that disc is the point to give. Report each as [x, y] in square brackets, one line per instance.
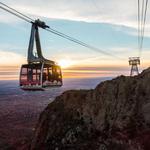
[23, 18]
[144, 21]
[17, 11]
[142, 12]
[79, 42]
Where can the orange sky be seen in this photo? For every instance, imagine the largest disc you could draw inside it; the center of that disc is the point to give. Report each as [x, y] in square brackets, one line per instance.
[12, 72]
[75, 70]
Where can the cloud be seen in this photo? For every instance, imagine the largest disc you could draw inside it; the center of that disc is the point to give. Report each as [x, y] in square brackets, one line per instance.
[103, 11]
[11, 59]
[114, 11]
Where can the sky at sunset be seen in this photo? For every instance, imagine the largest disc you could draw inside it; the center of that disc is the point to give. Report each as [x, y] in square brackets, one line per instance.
[107, 25]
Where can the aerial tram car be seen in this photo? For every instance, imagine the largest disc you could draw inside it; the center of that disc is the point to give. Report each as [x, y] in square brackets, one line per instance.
[39, 72]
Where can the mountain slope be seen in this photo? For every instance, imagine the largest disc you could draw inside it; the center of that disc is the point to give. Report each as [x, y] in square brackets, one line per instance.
[113, 116]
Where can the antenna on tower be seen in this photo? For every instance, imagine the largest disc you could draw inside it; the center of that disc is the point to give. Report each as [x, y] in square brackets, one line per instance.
[134, 62]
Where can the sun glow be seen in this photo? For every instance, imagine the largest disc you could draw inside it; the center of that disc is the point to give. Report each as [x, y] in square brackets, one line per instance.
[65, 63]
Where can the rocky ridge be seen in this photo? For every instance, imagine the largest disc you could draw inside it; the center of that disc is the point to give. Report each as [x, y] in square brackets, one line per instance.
[113, 116]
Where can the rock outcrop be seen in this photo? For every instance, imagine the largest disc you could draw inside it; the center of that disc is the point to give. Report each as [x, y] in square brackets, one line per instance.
[113, 116]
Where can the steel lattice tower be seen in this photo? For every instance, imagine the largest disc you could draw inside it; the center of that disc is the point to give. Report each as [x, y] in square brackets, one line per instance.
[134, 62]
